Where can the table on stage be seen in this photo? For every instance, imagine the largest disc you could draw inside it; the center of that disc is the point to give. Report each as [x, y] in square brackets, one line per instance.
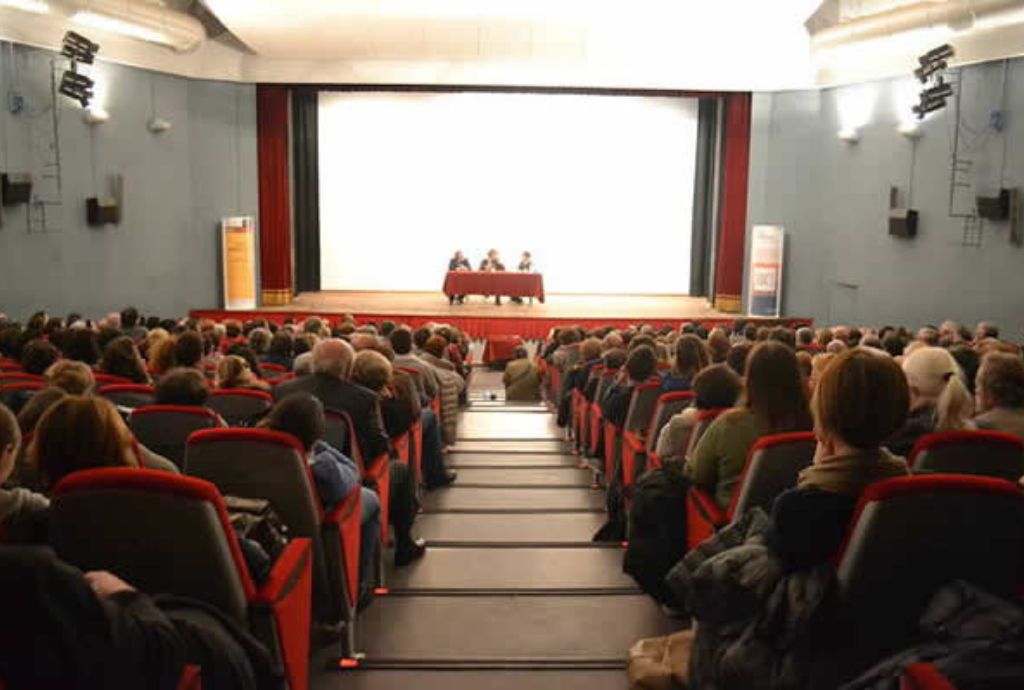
[494, 284]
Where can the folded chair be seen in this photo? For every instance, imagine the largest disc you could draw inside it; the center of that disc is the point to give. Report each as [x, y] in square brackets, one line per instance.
[909, 537]
[772, 466]
[130, 395]
[165, 429]
[171, 534]
[580, 409]
[259, 463]
[987, 453]
[240, 407]
[637, 448]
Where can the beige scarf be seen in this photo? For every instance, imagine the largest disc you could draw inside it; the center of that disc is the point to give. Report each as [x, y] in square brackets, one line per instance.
[851, 474]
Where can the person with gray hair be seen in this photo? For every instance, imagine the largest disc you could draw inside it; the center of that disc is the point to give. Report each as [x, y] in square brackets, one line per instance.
[330, 383]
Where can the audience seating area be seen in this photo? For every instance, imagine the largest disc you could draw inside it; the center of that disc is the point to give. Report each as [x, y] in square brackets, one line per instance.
[951, 511]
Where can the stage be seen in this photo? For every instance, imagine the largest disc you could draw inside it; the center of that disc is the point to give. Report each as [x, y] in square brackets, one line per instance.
[480, 317]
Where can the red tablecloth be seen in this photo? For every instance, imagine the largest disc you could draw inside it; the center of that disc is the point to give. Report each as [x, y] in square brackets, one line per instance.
[501, 348]
[504, 284]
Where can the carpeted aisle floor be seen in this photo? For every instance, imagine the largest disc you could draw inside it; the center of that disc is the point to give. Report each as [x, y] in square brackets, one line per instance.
[512, 593]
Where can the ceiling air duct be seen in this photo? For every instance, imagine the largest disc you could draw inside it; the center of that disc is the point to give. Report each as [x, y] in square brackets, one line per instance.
[956, 14]
[146, 21]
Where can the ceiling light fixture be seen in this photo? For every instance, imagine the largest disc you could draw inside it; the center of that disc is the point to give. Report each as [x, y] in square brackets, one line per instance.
[849, 135]
[120, 26]
[35, 6]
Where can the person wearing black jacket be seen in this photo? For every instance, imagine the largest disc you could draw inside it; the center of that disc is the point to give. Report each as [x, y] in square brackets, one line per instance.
[93, 631]
[458, 262]
[491, 264]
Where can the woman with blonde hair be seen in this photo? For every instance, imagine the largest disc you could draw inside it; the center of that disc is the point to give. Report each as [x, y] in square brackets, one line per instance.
[161, 356]
[235, 373]
[939, 398]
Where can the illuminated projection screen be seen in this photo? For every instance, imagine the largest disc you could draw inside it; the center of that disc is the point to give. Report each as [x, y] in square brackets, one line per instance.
[598, 188]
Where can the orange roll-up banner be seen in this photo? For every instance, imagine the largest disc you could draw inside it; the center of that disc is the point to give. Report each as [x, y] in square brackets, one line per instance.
[238, 262]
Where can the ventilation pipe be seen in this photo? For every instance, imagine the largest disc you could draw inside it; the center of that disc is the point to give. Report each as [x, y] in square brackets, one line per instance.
[955, 14]
[145, 20]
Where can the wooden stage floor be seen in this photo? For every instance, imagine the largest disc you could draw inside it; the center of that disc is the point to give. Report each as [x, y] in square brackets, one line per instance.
[557, 306]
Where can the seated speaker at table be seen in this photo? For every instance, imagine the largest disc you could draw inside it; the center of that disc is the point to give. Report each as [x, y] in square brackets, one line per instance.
[493, 263]
[458, 262]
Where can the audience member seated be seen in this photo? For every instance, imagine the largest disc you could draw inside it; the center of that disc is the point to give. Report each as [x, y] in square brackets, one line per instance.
[234, 373]
[249, 355]
[1000, 394]
[939, 400]
[81, 344]
[160, 358]
[400, 407]
[402, 344]
[330, 382]
[73, 377]
[188, 350]
[17, 504]
[335, 475]
[182, 386]
[691, 355]
[775, 402]
[281, 351]
[94, 631]
[718, 345]
[861, 400]
[452, 385]
[37, 356]
[522, 378]
[121, 358]
[640, 366]
[716, 387]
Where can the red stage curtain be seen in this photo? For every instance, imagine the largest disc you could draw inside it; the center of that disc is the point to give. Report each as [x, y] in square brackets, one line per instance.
[732, 229]
[275, 205]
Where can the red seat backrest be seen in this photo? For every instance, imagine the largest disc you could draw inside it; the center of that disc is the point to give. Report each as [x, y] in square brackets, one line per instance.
[987, 453]
[912, 535]
[773, 465]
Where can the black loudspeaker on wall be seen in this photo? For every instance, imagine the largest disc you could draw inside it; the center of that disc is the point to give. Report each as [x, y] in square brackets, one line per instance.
[15, 188]
[902, 221]
[106, 210]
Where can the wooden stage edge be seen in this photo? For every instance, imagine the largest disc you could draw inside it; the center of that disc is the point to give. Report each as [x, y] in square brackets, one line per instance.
[480, 317]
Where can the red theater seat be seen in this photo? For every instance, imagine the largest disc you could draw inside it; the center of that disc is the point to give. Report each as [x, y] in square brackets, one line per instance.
[240, 407]
[167, 533]
[638, 419]
[924, 677]
[109, 379]
[637, 448]
[986, 453]
[340, 430]
[130, 395]
[912, 535]
[596, 416]
[773, 465]
[259, 463]
[164, 429]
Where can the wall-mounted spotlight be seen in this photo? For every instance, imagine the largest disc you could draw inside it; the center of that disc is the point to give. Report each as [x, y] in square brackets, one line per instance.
[849, 135]
[79, 48]
[77, 86]
[932, 64]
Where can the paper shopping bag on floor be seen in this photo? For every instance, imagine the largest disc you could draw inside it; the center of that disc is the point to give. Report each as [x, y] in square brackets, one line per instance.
[660, 663]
